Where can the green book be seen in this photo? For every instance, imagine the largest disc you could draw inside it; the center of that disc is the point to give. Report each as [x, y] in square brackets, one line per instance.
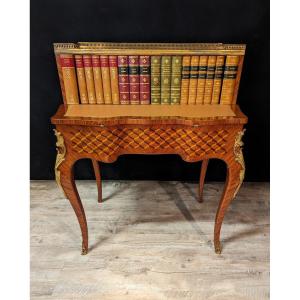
[166, 80]
[176, 79]
[155, 79]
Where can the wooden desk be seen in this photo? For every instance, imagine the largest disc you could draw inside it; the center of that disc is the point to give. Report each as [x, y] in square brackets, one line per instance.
[99, 138]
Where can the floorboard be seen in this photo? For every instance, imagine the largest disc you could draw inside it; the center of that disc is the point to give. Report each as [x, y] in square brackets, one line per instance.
[149, 240]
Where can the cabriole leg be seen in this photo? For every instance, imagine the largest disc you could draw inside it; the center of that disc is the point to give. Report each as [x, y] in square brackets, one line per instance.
[202, 178]
[234, 179]
[98, 179]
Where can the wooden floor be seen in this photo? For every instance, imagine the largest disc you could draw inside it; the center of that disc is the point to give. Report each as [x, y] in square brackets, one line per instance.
[149, 240]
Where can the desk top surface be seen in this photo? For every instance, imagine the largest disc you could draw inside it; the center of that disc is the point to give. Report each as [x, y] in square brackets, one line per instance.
[154, 114]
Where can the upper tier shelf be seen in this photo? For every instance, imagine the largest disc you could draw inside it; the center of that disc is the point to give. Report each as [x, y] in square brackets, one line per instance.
[149, 114]
[150, 48]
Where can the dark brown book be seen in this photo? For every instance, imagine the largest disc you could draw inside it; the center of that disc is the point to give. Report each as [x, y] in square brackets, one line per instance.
[123, 79]
[134, 80]
[145, 79]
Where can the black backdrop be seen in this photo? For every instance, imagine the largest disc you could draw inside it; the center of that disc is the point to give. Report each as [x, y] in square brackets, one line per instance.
[230, 21]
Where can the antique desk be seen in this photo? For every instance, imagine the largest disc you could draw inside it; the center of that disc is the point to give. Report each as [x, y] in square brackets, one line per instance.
[104, 132]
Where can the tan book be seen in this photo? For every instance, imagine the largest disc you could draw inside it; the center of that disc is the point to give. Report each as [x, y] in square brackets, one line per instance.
[69, 78]
[229, 79]
[193, 79]
[97, 79]
[106, 79]
[81, 79]
[60, 76]
[114, 82]
[209, 81]
[201, 79]
[185, 79]
[89, 78]
[218, 79]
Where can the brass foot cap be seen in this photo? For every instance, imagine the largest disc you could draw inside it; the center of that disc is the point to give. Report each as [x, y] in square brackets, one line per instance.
[84, 251]
[218, 249]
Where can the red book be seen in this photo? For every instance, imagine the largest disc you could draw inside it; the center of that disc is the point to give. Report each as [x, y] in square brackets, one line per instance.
[145, 79]
[134, 80]
[123, 79]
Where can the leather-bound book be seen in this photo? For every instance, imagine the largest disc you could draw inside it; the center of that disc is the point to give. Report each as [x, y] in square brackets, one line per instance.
[201, 79]
[123, 79]
[81, 79]
[229, 79]
[218, 79]
[89, 78]
[145, 79]
[60, 76]
[155, 79]
[97, 79]
[113, 70]
[185, 79]
[105, 79]
[193, 79]
[134, 80]
[166, 80]
[209, 81]
[69, 77]
[176, 79]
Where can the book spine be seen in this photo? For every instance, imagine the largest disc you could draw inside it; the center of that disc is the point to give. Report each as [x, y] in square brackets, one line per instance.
[176, 79]
[230, 73]
[89, 78]
[185, 79]
[60, 76]
[218, 79]
[201, 78]
[166, 80]
[155, 79]
[113, 70]
[211, 65]
[69, 77]
[134, 80]
[97, 79]
[145, 79]
[123, 79]
[105, 79]
[81, 79]
[193, 79]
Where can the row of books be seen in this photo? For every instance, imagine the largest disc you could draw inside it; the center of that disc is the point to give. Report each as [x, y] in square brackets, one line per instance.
[111, 79]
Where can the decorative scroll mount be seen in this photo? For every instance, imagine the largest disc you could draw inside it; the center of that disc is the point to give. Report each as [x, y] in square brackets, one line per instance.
[238, 153]
[61, 152]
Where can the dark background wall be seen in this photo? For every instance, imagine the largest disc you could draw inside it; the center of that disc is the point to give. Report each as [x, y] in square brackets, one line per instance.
[230, 21]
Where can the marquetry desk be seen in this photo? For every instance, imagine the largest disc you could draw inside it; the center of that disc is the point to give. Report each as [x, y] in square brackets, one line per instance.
[195, 136]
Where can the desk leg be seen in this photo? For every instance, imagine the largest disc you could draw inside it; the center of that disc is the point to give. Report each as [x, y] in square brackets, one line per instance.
[234, 179]
[98, 179]
[69, 187]
[202, 178]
